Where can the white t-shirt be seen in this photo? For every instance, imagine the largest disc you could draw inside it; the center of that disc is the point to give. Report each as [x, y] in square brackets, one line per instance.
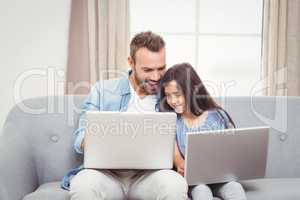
[138, 104]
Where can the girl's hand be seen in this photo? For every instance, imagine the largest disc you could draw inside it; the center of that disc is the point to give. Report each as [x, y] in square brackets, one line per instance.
[178, 161]
[179, 164]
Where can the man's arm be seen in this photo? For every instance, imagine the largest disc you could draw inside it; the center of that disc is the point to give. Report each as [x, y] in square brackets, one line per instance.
[92, 102]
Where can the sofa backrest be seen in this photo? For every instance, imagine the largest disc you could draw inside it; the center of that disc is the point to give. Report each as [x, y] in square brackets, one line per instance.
[282, 115]
[47, 125]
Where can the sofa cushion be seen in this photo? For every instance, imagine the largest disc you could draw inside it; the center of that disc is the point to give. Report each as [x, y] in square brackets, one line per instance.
[48, 191]
[258, 189]
[50, 134]
[272, 189]
[52, 191]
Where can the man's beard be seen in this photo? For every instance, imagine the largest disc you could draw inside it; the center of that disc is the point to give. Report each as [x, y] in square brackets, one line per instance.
[143, 85]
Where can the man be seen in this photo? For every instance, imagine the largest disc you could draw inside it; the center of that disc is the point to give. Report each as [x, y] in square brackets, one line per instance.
[135, 92]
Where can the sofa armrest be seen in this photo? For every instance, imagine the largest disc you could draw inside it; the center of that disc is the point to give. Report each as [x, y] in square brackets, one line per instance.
[17, 171]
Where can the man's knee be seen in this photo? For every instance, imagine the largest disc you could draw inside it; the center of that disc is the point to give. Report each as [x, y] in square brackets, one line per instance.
[173, 185]
[94, 185]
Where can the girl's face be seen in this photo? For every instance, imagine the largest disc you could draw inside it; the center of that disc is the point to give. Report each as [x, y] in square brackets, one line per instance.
[175, 97]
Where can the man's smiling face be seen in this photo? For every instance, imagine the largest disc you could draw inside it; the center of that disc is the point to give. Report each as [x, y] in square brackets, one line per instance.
[148, 68]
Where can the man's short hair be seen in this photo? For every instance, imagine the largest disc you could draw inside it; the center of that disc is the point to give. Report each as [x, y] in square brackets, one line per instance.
[149, 40]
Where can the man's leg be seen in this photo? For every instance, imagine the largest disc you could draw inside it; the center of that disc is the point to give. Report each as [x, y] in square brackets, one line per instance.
[159, 185]
[91, 184]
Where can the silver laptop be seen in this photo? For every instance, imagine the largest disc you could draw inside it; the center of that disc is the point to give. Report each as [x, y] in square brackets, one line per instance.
[127, 140]
[226, 155]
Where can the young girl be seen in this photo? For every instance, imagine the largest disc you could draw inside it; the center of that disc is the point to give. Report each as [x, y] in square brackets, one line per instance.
[182, 91]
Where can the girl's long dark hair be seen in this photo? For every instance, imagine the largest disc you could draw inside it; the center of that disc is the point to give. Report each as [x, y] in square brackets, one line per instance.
[196, 96]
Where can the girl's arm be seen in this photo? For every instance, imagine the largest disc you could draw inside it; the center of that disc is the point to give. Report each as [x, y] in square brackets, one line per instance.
[178, 160]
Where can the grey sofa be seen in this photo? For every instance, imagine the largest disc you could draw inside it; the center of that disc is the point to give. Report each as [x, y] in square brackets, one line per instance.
[36, 146]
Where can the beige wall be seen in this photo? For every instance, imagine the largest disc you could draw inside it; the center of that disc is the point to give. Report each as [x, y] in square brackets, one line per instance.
[33, 37]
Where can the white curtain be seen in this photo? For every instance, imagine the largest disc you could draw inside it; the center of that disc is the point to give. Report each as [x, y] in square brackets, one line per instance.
[281, 47]
[108, 27]
[78, 72]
